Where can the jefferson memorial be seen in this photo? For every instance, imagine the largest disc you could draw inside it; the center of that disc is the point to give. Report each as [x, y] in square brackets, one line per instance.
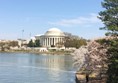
[52, 38]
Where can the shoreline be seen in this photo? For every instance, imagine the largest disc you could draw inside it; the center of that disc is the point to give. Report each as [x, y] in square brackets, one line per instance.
[37, 52]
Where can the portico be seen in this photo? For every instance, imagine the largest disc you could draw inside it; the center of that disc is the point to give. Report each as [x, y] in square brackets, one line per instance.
[52, 37]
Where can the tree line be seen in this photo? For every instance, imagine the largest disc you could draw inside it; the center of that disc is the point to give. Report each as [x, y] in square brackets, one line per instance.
[7, 45]
[36, 43]
[74, 42]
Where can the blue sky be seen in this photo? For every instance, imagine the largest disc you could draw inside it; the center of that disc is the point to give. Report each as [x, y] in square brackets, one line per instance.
[78, 17]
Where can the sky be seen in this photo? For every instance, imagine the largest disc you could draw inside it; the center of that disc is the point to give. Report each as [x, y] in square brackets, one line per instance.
[26, 18]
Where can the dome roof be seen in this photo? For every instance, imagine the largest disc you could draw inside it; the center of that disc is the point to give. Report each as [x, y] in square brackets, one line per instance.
[54, 32]
[54, 29]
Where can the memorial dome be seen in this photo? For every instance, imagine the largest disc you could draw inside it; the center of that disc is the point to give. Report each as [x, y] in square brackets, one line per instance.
[54, 32]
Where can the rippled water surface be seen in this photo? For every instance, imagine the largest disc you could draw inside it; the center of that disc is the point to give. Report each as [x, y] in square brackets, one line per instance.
[32, 68]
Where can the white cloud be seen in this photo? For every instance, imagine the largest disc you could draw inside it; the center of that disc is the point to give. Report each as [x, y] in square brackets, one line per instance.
[79, 21]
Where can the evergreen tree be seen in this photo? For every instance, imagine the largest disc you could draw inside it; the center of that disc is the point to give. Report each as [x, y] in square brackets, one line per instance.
[110, 16]
[110, 19]
[113, 59]
[34, 44]
[31, 44]
[37, 43]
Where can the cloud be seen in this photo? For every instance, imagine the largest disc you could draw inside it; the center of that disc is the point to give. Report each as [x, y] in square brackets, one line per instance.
[79, 21]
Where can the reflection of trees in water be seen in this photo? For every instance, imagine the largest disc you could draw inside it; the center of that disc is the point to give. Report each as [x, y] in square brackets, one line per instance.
[53, 62]
[50, 62]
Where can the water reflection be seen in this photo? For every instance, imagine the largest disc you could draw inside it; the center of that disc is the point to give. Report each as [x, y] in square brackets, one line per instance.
[33, 68]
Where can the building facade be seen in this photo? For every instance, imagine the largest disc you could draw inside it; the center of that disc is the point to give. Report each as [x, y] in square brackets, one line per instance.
[52, 38]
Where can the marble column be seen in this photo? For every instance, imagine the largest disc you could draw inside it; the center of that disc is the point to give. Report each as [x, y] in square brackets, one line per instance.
[43, 41]
[50, 41]
[46, 41]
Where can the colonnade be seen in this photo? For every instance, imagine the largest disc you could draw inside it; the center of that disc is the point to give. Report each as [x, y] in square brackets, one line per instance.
[48, 41]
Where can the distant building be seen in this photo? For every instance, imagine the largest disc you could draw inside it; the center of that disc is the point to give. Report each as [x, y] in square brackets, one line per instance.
[22, 42]
[51, 38]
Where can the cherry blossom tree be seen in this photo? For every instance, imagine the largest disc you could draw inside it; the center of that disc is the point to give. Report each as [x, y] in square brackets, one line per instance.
[91, 57]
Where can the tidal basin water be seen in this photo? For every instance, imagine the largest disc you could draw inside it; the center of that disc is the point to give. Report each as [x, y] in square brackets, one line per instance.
[33, 68]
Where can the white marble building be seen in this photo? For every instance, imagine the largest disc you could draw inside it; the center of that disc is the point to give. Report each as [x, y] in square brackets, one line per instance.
[52, 37]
